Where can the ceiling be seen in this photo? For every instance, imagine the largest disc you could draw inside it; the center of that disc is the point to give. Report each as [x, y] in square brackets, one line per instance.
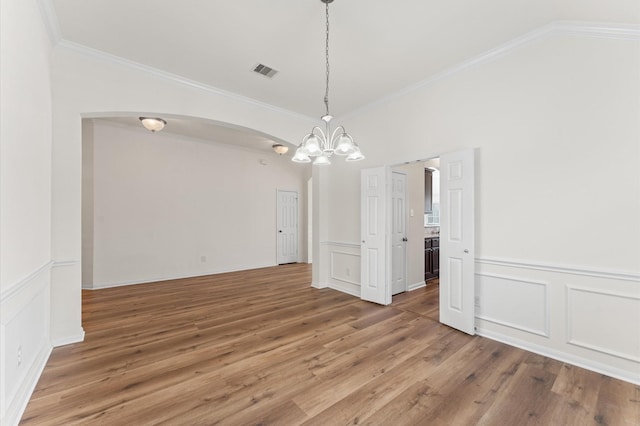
[376, 48]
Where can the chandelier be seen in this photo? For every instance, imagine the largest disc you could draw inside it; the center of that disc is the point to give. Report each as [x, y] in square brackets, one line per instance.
[323, 144]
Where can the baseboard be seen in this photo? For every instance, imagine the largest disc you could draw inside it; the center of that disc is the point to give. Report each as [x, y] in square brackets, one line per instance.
[345, 289]
[416, 286]
[587, 364]
[16, 408]
[318, 285]
[176, 277]
[67, 340]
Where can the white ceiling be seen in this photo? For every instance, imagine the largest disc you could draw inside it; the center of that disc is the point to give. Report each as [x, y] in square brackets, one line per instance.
[377, 47]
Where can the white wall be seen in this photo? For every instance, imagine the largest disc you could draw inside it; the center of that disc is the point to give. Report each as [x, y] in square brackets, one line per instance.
[88, 153]
[25, 203]
[555, 127]
[169, 207]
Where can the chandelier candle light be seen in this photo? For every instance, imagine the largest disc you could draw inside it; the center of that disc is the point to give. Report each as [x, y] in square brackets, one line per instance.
[323, 144]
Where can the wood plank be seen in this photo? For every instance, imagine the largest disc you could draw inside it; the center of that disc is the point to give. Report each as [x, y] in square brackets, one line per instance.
[367, 400]
[618, 403]
[527, 399]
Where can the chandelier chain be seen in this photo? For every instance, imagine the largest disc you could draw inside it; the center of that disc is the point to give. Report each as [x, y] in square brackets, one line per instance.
[326, 93]
[323, 144]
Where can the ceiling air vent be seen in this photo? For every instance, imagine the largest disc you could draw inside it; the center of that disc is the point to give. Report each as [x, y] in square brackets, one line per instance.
[265, 70]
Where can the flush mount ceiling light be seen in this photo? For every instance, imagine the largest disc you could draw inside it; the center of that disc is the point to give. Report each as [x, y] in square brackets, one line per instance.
[323, 145]
[152, 123]
[280, 149]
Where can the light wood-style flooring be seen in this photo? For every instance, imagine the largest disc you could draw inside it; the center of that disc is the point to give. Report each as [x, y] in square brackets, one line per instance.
[262, 347]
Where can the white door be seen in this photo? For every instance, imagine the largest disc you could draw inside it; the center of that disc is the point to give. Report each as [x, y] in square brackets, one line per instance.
[287, 227]
[375, 283]
[398, 233]
[457, 287]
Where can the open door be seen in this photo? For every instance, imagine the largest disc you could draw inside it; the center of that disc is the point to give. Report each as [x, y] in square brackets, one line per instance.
[457, 254]
[375, 255]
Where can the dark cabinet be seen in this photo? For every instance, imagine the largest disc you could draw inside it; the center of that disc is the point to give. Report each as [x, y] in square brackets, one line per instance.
[435, 254]
[431, 258]
[428, 263]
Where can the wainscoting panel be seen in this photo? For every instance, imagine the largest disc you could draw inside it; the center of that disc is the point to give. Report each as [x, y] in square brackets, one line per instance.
[586, 317]
[344, 266]
[513, 302]
[24, 341]
[596, 319]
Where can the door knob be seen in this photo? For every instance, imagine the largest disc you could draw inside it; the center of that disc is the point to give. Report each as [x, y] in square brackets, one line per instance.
[280, 230]
[466, 251]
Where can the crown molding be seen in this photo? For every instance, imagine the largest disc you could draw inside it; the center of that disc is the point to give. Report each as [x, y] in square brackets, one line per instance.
[50, 19]
[557, 28]
[126, 63]
[596, 29]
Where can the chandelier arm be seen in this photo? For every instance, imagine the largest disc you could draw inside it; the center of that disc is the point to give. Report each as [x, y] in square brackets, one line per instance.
[335, 133]
[321, 134]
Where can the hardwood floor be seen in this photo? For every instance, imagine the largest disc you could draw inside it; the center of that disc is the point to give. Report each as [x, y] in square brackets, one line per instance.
[262, 347]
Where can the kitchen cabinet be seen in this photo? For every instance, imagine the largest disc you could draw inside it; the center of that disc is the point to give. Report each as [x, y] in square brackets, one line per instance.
[431, 258]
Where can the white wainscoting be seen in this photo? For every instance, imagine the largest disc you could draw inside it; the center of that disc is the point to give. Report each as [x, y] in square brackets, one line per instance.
[528, 302]
[24, 340]
[586, 317]
[344, 267]
[592, 317]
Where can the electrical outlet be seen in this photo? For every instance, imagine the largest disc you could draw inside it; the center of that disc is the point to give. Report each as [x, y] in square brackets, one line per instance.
[348, 272]
[203, 259]
[477, 301]
[19, 355]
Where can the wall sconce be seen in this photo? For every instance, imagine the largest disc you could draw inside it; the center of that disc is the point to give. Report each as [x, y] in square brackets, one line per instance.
[152, 123]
